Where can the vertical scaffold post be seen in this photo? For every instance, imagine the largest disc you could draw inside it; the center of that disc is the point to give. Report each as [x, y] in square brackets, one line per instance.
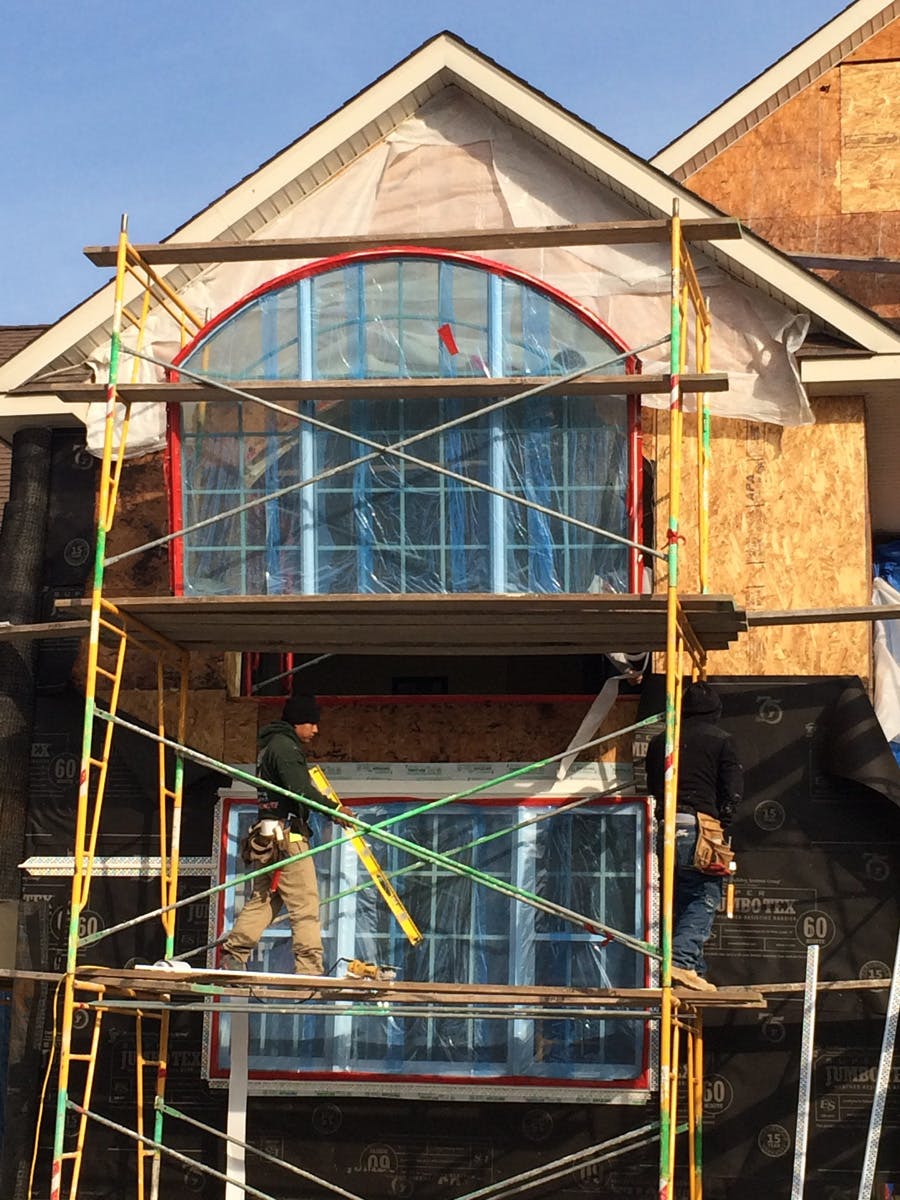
[806, 1069]
[79, 898]
[704, 446]
[882, 1082]
[695, 1067]
[170, 859]
[666, 1165]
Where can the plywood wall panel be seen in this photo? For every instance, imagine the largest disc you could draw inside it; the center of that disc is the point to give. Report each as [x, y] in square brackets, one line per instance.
[788, 164]
[142, 515]
[789, 530]
[870, 114]
[820, 174]
[385, 731]
[884, 45]
[486, 731]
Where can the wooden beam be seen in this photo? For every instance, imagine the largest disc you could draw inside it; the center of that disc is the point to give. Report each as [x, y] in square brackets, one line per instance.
[158, 984]
[824, 616]
[477, 387]
[847, 262]
[445, 625]
[263, 249]
[47, 629]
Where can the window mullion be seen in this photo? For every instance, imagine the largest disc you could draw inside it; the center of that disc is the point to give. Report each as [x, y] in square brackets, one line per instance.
[497, 465]
[308, 548]
[523, 943]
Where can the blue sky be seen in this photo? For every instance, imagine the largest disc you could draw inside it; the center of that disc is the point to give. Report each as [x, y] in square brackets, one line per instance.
[156, 108]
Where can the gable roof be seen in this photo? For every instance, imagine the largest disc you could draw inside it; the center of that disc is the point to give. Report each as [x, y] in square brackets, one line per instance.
[326, 149]
[758, 99]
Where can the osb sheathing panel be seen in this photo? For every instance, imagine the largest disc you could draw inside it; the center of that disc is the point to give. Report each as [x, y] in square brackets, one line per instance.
[870, 111]
[473, 731]
[800, 177]
[789, 530]
[141, 516]
[223, 729]
[785, 167]
[376, 731]
[884, 45]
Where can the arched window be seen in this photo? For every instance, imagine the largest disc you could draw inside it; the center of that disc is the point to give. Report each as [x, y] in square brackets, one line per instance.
[373, 522]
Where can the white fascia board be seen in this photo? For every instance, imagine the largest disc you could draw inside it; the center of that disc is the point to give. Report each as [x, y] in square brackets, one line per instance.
[19, 412]
[852, 376]
[805, 63]
[657, 192]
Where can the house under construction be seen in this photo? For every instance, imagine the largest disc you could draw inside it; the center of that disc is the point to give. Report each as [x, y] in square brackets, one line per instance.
[489, 433]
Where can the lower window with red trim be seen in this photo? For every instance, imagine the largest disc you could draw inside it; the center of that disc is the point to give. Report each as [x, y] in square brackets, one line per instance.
[583, 852]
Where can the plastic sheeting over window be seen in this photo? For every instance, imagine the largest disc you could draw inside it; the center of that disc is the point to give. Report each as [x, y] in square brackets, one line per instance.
[591, 861]
[887, 654]
[375, 522]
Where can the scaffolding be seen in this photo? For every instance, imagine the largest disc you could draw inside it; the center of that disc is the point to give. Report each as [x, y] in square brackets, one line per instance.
[679, 626]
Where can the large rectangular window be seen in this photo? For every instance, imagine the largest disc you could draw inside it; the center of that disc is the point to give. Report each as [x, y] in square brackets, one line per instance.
[591, 859]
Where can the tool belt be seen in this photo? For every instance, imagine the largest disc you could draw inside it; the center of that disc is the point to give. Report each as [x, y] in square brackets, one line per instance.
[268, 841]
[713, 854]
[260, 849]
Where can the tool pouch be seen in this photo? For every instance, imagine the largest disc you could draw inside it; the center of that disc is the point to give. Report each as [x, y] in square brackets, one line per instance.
[713, 854]
[260, 849]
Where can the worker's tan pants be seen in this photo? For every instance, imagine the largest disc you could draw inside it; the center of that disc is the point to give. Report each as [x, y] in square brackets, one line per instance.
[298, 893]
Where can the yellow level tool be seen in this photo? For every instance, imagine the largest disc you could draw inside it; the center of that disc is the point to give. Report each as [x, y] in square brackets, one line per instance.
[370, 862]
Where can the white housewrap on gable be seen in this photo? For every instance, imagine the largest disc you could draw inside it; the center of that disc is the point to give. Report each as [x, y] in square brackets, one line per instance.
[455, 165]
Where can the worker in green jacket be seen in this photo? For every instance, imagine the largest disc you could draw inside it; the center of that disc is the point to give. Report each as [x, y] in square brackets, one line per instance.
[283, 830]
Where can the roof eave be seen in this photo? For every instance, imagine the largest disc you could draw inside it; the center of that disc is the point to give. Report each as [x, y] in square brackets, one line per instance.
[369, 116]
[792, 73]
[875, 377]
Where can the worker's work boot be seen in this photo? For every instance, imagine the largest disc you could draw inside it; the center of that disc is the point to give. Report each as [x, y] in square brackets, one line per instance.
[690, 979]
[230, 962]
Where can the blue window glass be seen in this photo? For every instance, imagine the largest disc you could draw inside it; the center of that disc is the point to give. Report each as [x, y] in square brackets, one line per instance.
[373, 522]
[591, 861]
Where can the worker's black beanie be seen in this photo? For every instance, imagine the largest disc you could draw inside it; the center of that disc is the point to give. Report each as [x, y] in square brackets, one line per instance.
[301, 710]
[699, 699]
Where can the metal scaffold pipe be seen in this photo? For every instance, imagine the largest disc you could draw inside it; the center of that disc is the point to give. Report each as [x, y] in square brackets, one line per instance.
[396, 449]
[381, 830]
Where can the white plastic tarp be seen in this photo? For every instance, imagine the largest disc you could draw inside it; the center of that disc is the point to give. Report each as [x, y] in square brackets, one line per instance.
[456, 165]
[887, 665]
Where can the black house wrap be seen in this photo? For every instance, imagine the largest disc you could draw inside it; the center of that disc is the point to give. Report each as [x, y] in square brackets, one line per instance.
[819, 854]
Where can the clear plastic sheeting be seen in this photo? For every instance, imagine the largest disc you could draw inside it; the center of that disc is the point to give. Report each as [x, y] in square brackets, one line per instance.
[590, 861]
[457, 165]
[387, 525]
[887, 658]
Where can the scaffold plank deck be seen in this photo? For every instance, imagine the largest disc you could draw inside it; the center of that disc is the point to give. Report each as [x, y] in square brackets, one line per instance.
[428, 624]
[157, 983]
[526, 237]
[43, 631]
[476, 387]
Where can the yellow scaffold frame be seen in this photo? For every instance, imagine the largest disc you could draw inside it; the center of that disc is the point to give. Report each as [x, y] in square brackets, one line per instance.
[677, 1018]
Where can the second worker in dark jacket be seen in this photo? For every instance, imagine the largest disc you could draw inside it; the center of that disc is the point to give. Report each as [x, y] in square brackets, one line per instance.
[710, 781]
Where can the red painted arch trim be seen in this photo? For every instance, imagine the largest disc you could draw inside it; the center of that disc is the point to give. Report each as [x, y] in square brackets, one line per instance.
[324, 265]
[336, 262]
